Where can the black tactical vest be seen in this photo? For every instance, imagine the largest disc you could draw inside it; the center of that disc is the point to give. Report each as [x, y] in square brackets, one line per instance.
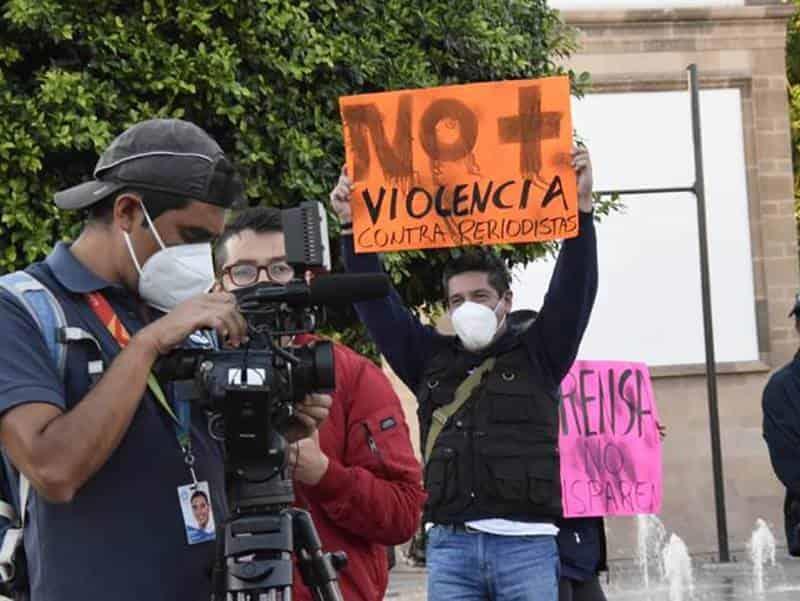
[497, 457]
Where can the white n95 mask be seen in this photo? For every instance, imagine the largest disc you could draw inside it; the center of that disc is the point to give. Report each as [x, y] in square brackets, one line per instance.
[173, 274]
[475, 324]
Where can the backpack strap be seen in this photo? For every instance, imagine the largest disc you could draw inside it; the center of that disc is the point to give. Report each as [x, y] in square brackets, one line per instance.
[12, 538]
[45, 309]
[9, 544]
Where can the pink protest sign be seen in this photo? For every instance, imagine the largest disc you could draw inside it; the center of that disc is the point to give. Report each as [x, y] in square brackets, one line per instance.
[609, 442]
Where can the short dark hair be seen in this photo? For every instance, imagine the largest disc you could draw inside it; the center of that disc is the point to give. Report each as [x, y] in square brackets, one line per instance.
[199, 493]
[156, 202]
[260, 220]
[480, 260]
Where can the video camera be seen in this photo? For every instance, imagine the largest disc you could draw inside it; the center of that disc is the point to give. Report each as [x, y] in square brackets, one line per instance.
[253, 389]
[250, 393]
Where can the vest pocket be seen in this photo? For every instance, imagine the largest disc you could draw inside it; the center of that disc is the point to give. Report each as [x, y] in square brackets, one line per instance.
[512, 478]
[504, 477]
[540, 481]
[511, 409]
[441, 476]
[510, 397]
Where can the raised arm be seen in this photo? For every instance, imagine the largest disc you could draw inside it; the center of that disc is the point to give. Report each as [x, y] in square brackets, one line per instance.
[558, 330]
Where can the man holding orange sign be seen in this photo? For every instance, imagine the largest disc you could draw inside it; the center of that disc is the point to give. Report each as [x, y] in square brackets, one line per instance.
[488, 397]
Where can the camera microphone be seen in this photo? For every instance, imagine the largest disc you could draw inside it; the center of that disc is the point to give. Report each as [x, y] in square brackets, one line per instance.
[333, 289]
[345, 288]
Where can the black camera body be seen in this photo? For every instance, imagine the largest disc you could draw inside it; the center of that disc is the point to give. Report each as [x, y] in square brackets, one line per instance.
[250, 394]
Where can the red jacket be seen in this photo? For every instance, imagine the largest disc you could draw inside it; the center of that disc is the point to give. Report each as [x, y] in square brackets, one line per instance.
[371, 496]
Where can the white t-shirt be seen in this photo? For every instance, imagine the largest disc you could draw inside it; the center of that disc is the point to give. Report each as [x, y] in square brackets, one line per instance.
[503, 527]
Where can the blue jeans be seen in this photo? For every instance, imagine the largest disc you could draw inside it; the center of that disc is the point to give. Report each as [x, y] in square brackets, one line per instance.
[476, 566]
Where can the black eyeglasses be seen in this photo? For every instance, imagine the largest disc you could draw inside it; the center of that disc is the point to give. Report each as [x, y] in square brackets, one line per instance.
[245, 274]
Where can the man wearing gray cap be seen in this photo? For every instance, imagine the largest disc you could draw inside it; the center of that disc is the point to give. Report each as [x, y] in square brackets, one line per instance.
[110, 453]
[781, 427]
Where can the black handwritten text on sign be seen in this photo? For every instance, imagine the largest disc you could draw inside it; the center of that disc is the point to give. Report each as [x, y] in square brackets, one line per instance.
[609, 442]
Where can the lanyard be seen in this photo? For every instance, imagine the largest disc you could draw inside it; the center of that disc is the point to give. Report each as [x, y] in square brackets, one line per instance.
[102, 308]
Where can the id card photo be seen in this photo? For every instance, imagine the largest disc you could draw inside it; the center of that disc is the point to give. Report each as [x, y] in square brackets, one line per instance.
[198, 514]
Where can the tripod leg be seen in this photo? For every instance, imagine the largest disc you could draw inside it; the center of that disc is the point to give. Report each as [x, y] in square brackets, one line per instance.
[316, 567]
[218, 592]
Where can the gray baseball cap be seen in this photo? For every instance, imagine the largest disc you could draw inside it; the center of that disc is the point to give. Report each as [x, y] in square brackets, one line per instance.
[166, 155]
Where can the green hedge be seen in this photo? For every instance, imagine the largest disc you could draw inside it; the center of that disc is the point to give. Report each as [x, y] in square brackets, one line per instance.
[264, 77]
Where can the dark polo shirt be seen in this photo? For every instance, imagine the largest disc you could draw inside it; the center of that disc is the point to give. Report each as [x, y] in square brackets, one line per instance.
[122, 537]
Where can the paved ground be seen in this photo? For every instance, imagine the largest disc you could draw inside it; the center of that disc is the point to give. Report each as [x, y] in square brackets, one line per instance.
[406, 583]
[712, 582]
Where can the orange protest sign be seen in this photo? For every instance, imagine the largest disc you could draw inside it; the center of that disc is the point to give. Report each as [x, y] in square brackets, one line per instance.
[485, 163]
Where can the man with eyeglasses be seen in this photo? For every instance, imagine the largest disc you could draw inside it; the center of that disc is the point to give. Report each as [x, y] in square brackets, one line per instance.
[357, 475]
[246, 274]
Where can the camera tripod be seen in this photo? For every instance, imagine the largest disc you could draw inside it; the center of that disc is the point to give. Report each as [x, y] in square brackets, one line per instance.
[256, 545]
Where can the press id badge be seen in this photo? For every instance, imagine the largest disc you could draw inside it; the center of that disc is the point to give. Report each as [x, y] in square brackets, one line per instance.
[198, 514]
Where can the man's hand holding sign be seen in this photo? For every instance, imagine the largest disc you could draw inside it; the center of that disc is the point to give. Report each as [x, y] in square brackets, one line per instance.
[476, 164]
[582, 163]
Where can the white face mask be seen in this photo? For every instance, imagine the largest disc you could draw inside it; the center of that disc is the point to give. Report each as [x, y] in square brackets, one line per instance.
[173, 274]
[476, 324]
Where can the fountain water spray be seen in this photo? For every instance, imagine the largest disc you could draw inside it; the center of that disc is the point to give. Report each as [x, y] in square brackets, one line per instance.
[677, 566]
[650, 534]
[762, 552]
